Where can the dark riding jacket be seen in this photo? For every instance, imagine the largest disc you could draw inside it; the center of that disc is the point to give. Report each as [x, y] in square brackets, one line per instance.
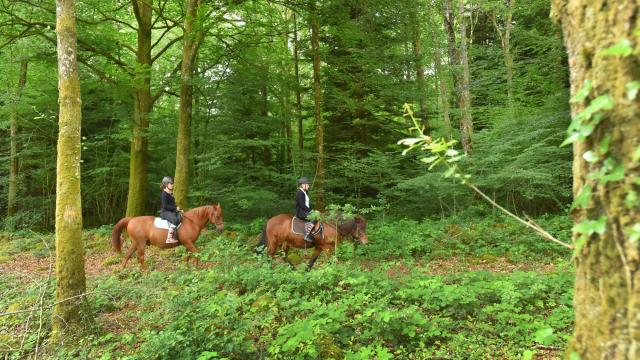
[169, 210]
[303, 206]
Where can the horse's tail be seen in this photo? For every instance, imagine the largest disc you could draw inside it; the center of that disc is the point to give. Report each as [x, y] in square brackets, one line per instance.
[263, 242]
[116, 241]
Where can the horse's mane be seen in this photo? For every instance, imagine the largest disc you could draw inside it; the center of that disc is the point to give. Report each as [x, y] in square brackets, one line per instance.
[346, 227]
[198, 211]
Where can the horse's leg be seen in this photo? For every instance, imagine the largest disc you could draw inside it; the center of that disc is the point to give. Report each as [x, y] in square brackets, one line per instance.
[132, 248]
[286, 248]
[316, 253]
[192, 250]
[140, 253]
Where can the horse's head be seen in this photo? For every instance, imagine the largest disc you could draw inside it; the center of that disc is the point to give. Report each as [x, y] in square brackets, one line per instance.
[215, 217]
[357, 229]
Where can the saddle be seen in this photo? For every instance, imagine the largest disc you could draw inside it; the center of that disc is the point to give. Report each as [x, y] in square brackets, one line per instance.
[161, 223]
[297, 227]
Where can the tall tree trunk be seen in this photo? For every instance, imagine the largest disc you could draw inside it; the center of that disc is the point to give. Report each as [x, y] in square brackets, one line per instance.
[183, 147]
[607, 295]
[317, 109]
[464, 99]
[70, 277]
[296, 66]
[13, 133]
[444, 96]
[138, 163]
[419, 66]
[453, 53]
[264, 112]
[505, 42]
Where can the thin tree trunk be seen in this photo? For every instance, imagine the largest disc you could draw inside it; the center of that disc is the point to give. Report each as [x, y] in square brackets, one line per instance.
[183, 147]
[70, 276]
[607, 287]
[296, 63]
[264, 111]
[453, 53]
[444, 96]
[464, 100]
[138, 163]
[315, 49]
[505, 41]
[419, 66]
[13, 133]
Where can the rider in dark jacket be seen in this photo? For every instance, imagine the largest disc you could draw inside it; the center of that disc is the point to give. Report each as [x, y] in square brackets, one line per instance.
[169, 211]
[303, 208]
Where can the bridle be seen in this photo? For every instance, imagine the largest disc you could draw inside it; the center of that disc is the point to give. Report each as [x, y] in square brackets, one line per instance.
[216, 218]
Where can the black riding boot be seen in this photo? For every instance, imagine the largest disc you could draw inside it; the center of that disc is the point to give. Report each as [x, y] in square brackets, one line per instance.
[308, 237]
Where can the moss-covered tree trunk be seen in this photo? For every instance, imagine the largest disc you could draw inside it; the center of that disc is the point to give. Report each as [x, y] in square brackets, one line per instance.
[464, 92]
[13, 134]
[453, 52]
[296, 69]
[183, 149]
[505, 42]
[607, 288]
[419, 66]
[70, 278]
[317, 109]
[444, 94]
[138, 163]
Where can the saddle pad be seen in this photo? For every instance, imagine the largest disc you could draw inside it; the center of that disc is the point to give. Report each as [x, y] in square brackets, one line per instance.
[297, 227]
[162, 224]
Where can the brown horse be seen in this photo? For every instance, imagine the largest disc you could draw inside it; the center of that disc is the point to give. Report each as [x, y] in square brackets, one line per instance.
[142, 232]
[278, 232]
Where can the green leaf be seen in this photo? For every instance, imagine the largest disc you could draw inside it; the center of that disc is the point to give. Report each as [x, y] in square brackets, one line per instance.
[579, 244]
[574, 356]
[583, 199]
[590, 227]
[616, 174]
[590, 156]
[603, 147]
[631, 201]
[450, 171]
[545, 336]
[632, 89]
[636, 155]
[430, 159]
[571, 139]
[435, 163]
[622, 48]
[583, 92]
[602, 102]
[528, 355]
[452, 152]
[634, 234]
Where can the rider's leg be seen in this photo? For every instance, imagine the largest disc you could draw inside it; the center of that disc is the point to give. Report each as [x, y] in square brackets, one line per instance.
[308, 227]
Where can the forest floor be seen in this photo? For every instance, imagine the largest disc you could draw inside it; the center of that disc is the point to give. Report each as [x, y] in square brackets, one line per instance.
[24, 262]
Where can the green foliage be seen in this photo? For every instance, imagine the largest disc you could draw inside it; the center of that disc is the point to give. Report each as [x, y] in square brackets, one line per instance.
[373, 303]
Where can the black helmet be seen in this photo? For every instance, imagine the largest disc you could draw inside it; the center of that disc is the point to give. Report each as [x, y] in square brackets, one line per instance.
[303, 180]
[167, 180]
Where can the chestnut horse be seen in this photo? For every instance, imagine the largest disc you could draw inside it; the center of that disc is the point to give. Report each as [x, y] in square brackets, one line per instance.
[278, 232]
[142, 232]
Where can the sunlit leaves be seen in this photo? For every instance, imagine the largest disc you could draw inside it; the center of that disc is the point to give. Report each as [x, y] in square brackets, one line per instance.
[583, 123]
[586, 228]
[583, 199]
[583, 92]
[621, 48]
[632, 89]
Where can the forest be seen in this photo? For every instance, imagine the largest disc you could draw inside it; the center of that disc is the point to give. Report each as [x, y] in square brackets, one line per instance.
[474, 166]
